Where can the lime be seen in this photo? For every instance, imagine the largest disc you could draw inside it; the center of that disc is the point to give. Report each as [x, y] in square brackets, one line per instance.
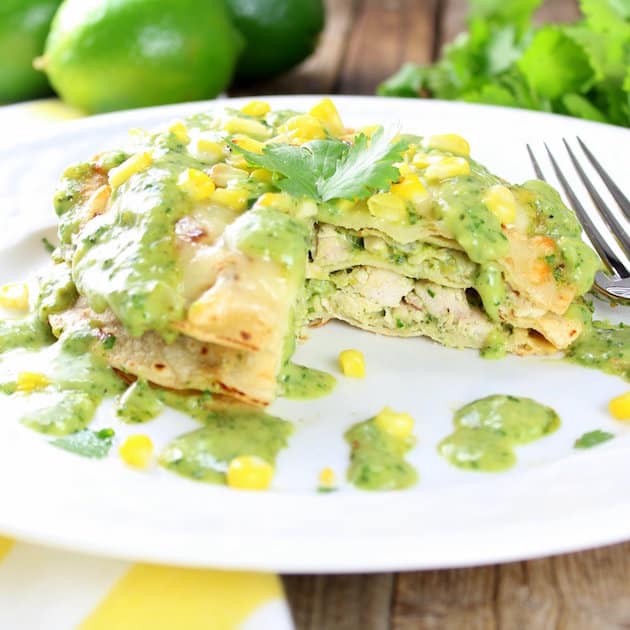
[23, 29]
[278, 34]
[103, 55]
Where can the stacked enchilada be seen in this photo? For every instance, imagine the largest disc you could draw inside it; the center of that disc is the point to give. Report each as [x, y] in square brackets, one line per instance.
[201, 252]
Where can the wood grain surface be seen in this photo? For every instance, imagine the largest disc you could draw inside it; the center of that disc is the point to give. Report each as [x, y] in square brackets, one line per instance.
[366, 41]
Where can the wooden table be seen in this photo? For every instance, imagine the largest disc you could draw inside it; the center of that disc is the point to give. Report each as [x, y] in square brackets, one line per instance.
[364, 42]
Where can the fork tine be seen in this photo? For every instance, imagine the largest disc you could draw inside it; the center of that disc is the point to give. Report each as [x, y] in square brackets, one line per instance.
[620, 198]
[609, 218]
[605, 252]
[535, 164]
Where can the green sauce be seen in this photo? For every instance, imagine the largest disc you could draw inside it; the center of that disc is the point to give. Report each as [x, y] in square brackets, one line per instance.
[490, 285]
[29, 332]
[377, 458]
[605, 347]
[487, 430]
[205, 454]
[139, 403]
[303, 383]
[79, 380]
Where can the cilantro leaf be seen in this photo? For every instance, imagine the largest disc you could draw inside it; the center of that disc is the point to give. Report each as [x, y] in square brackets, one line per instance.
[87, 443]
[366, 167]
[593, 438]
[332, 169]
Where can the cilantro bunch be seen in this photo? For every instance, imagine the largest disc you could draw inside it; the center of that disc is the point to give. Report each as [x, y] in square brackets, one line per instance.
[580, 69]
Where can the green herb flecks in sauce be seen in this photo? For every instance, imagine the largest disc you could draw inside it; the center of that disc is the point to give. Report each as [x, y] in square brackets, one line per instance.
[605, 347]
[377, 458]
[139, 403]
[205, 454]
[303, 383]
[29, 332]
[487, 430]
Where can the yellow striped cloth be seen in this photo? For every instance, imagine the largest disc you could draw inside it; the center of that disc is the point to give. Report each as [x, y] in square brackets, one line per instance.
[47, 589]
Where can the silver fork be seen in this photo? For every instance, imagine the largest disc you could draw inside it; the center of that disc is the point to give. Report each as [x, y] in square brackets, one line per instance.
[615, 284]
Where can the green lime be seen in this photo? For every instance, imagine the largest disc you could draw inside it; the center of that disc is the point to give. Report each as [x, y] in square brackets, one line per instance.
[103, 55]
[23, 29]
[278, 34]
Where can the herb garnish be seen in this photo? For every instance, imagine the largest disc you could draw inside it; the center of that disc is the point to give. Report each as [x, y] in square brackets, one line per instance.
[593, 438]
[333, 169]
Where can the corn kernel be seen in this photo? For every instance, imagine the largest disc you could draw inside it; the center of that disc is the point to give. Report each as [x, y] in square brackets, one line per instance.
[248, 127]
[14, 295]
[447, 167]
[137, 451]
[327, 478]
[450, 142]
[398, 424]
[256, 108]
[411, 189]
[28, 381]
[304, 127]
[234, 198]
[208, 148]
[223, 175]
[387, 206]
[500, 201]
[247, 143]
[352, 363]
[262, 175]
[135, 164]
[326, 112]
[280, 201]
[619, 407]
[248, 472]
[179, 130]
[196, 184]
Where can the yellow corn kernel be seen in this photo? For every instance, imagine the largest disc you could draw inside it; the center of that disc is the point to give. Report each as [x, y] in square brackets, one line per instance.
[223, 175]
[256, 108]
[137, 451]
[234, 198]
[422, 160]
[207, 148]
[326, 112]
[619, 407]
[136, 163]
[248, 127]
[405, 170]
[237, 161]
[262, 175]
[352, 363]
[28, 381]
[196, 184]
[447, 167]
[387, 206]
[247, 143]
[248, 472]
[281, 201]
[179, 130]
[14, 295]
[327, 478]
[411, 189]
[450, 142]
[304, 127]
[500, 201]
[398, 424]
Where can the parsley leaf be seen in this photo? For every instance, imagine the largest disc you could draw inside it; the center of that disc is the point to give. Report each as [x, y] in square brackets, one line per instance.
[593, 438]
[332, 169]
[87, 443]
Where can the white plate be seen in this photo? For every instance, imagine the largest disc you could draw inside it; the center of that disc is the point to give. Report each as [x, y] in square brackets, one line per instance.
[554, 500]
